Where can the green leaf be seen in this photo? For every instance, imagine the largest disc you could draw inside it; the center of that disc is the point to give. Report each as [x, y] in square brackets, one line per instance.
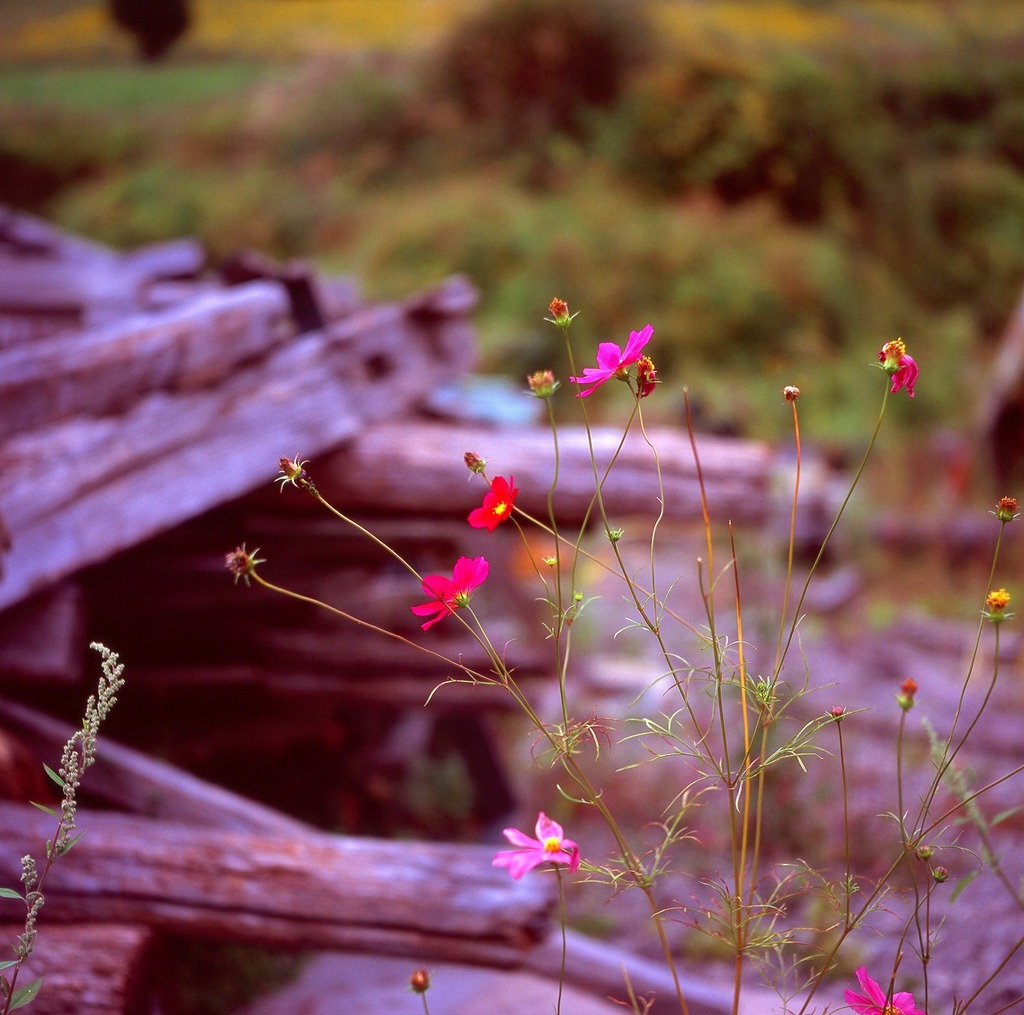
[962, 884]
[1003, 815]
[9, 893]
[23, 995]
[54, 776]
[67, 847]
[45, 809]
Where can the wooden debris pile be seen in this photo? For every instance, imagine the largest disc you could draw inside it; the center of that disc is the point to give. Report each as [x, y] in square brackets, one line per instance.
[144, 405]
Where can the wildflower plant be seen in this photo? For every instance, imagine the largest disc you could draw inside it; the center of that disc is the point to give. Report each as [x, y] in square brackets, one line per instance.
[731, 734]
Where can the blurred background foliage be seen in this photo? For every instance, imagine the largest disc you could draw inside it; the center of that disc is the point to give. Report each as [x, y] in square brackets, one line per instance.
[777, 186]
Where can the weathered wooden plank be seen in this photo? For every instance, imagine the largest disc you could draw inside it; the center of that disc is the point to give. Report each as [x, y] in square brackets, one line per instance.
[106, 370]
[314, 891]
[79, 492]
[180, 258]
[135, 782]
[88, 968]
[74, 493]
[420, 469]
[29, 236]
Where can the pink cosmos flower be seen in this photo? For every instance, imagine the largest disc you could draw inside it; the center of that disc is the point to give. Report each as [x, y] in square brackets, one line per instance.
[451, 593]
[612, 361]
[899, 366]
[497, 504]
[874, 1002]
[550, 846]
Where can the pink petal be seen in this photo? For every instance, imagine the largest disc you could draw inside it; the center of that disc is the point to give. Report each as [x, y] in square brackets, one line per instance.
[573, 854]
[468, 572]
[547, 829]
[594, 377]
[870, 987]
[518, 861]
[439, 587]
[481, 517]
[904, 1001]
[425, 609]
[518, 838]
[502, 488]
[637, 340]
[609, 356]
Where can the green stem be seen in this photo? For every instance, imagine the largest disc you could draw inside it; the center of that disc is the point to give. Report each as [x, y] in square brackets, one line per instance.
[832, 529]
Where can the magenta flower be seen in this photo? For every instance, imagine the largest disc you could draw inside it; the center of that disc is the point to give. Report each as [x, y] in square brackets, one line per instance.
[497, 504]
[612, 361]
[899, 366]
[874, 1002]
[550, 846]
[451, 593]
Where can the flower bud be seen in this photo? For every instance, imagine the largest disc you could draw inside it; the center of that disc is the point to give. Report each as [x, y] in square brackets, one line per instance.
[791, 393]
[542, 384]
[838, 713]
[940, 875]
[474, 462]
[905, 699]
[1006, 509]
[293, 470]
[419, 982]
[559, 311]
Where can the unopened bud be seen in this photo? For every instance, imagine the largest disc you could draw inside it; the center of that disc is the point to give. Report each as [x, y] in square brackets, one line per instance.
[905, 699]
[559, 311]
[474, 462]
[542, 384]
[1006, 509]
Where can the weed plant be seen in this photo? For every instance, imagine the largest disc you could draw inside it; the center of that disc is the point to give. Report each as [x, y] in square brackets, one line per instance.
[79, 754]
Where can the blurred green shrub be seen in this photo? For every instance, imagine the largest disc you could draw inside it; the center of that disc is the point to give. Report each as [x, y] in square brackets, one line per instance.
[528, 68]
[769, 202]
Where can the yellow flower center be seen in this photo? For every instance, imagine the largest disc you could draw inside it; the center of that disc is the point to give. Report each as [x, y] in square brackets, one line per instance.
[501, 509]
[891, 1009]
[894, 350]
[552, 844]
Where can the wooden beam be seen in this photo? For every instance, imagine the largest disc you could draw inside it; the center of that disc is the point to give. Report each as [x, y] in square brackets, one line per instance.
[105, 370]
[77, 491]
[434, 901]
[131, 780]
[419, 468]
[87, 968]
